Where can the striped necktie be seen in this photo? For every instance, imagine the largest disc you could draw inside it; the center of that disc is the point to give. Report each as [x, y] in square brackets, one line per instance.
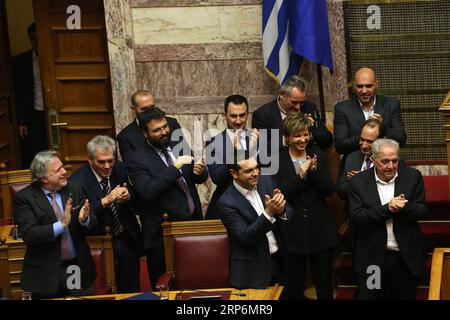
[367, 163]
[117, 226]
[181, 182]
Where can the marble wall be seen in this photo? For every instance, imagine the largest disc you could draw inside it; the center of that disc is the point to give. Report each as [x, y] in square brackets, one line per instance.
[192, 54]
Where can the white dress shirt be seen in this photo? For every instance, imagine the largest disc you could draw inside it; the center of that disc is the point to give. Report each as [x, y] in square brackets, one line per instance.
[255, 200]
[241, 136]
[371, 111]
[386, 192]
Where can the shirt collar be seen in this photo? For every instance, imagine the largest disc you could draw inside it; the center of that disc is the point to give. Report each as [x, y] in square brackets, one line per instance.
[97, 176]
[372, 107]
[282, 111]
[378, 180]
[243, 191]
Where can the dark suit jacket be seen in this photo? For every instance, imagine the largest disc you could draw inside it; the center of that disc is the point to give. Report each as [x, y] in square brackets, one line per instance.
[368, 218]
[35, 217]
[217, 155]
[159, 192]
[353, 161]
[24, 86]
[250, 262]
[312, 228]
[268, 117]
[132, 138]
[349, 119]
[94, 192]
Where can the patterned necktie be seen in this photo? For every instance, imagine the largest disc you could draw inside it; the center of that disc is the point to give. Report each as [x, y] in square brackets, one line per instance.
[367, 163]
[65, 248]
[117, 226]
[181, 182]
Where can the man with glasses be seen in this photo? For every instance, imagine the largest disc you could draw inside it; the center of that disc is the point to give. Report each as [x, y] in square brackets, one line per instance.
[350, 115]
[386, 202]
[292, 98]
[104, 181]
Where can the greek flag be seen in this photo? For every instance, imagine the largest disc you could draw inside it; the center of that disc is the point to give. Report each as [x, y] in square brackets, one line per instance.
[293, 30]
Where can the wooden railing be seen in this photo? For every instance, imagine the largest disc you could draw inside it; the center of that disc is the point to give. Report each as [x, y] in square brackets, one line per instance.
[440, 275]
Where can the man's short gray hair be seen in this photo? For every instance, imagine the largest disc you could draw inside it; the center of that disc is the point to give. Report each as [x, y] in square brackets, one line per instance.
[376, 146]
[294, 81]
[38, 166]
[102, 144]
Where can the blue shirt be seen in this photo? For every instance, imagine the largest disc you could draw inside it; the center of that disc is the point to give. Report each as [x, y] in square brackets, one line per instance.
[58, 228]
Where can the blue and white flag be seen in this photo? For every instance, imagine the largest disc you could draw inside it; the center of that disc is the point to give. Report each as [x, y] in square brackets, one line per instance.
[292, 30]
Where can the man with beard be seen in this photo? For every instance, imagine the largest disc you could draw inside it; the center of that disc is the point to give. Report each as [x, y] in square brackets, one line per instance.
[165, 183]
[350, 115]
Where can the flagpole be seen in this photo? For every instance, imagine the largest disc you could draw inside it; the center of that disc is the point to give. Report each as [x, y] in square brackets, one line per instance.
[321, 94]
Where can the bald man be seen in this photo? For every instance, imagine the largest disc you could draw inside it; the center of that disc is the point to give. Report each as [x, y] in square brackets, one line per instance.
[131, 137]
[350, 115]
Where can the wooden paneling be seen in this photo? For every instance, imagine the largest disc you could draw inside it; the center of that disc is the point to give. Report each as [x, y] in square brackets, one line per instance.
[75, 74]
[80, 46]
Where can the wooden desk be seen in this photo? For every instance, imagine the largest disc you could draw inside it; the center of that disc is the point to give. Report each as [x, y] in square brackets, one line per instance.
[271, 293]
[15, 253]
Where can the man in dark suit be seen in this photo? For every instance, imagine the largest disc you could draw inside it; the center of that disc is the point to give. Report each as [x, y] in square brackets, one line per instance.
[350, 115]
[220, 149]
[250, 209]
[29, 101]
[131, 137]
[53, 215]
[164, 177]
[291, 98]
[104, 181]
[386, 202]
[361, 159]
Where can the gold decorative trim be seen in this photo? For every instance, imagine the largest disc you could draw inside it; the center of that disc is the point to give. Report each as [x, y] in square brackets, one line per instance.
[393, 37]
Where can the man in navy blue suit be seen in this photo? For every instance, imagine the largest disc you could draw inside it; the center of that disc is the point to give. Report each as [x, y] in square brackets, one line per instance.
[164, 175]
[104, 181]
[220, 149]
[131, 137]
[291, 98]
[251, 209]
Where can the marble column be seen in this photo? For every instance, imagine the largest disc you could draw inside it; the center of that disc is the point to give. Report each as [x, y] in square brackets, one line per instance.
[121, 58]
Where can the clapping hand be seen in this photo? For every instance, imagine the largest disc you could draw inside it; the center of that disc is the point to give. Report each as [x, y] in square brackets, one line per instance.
[84, 211]
[397, 203]
[276, 204]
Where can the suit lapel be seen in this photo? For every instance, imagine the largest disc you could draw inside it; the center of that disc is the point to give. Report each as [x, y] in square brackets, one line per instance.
[357, 111]
[379, 106]
[372, 186]
[92, 182]
[43, 202]
[137, 133]
[244, 203]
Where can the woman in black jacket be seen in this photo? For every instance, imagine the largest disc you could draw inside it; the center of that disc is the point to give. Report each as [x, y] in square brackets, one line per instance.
[305, 180]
